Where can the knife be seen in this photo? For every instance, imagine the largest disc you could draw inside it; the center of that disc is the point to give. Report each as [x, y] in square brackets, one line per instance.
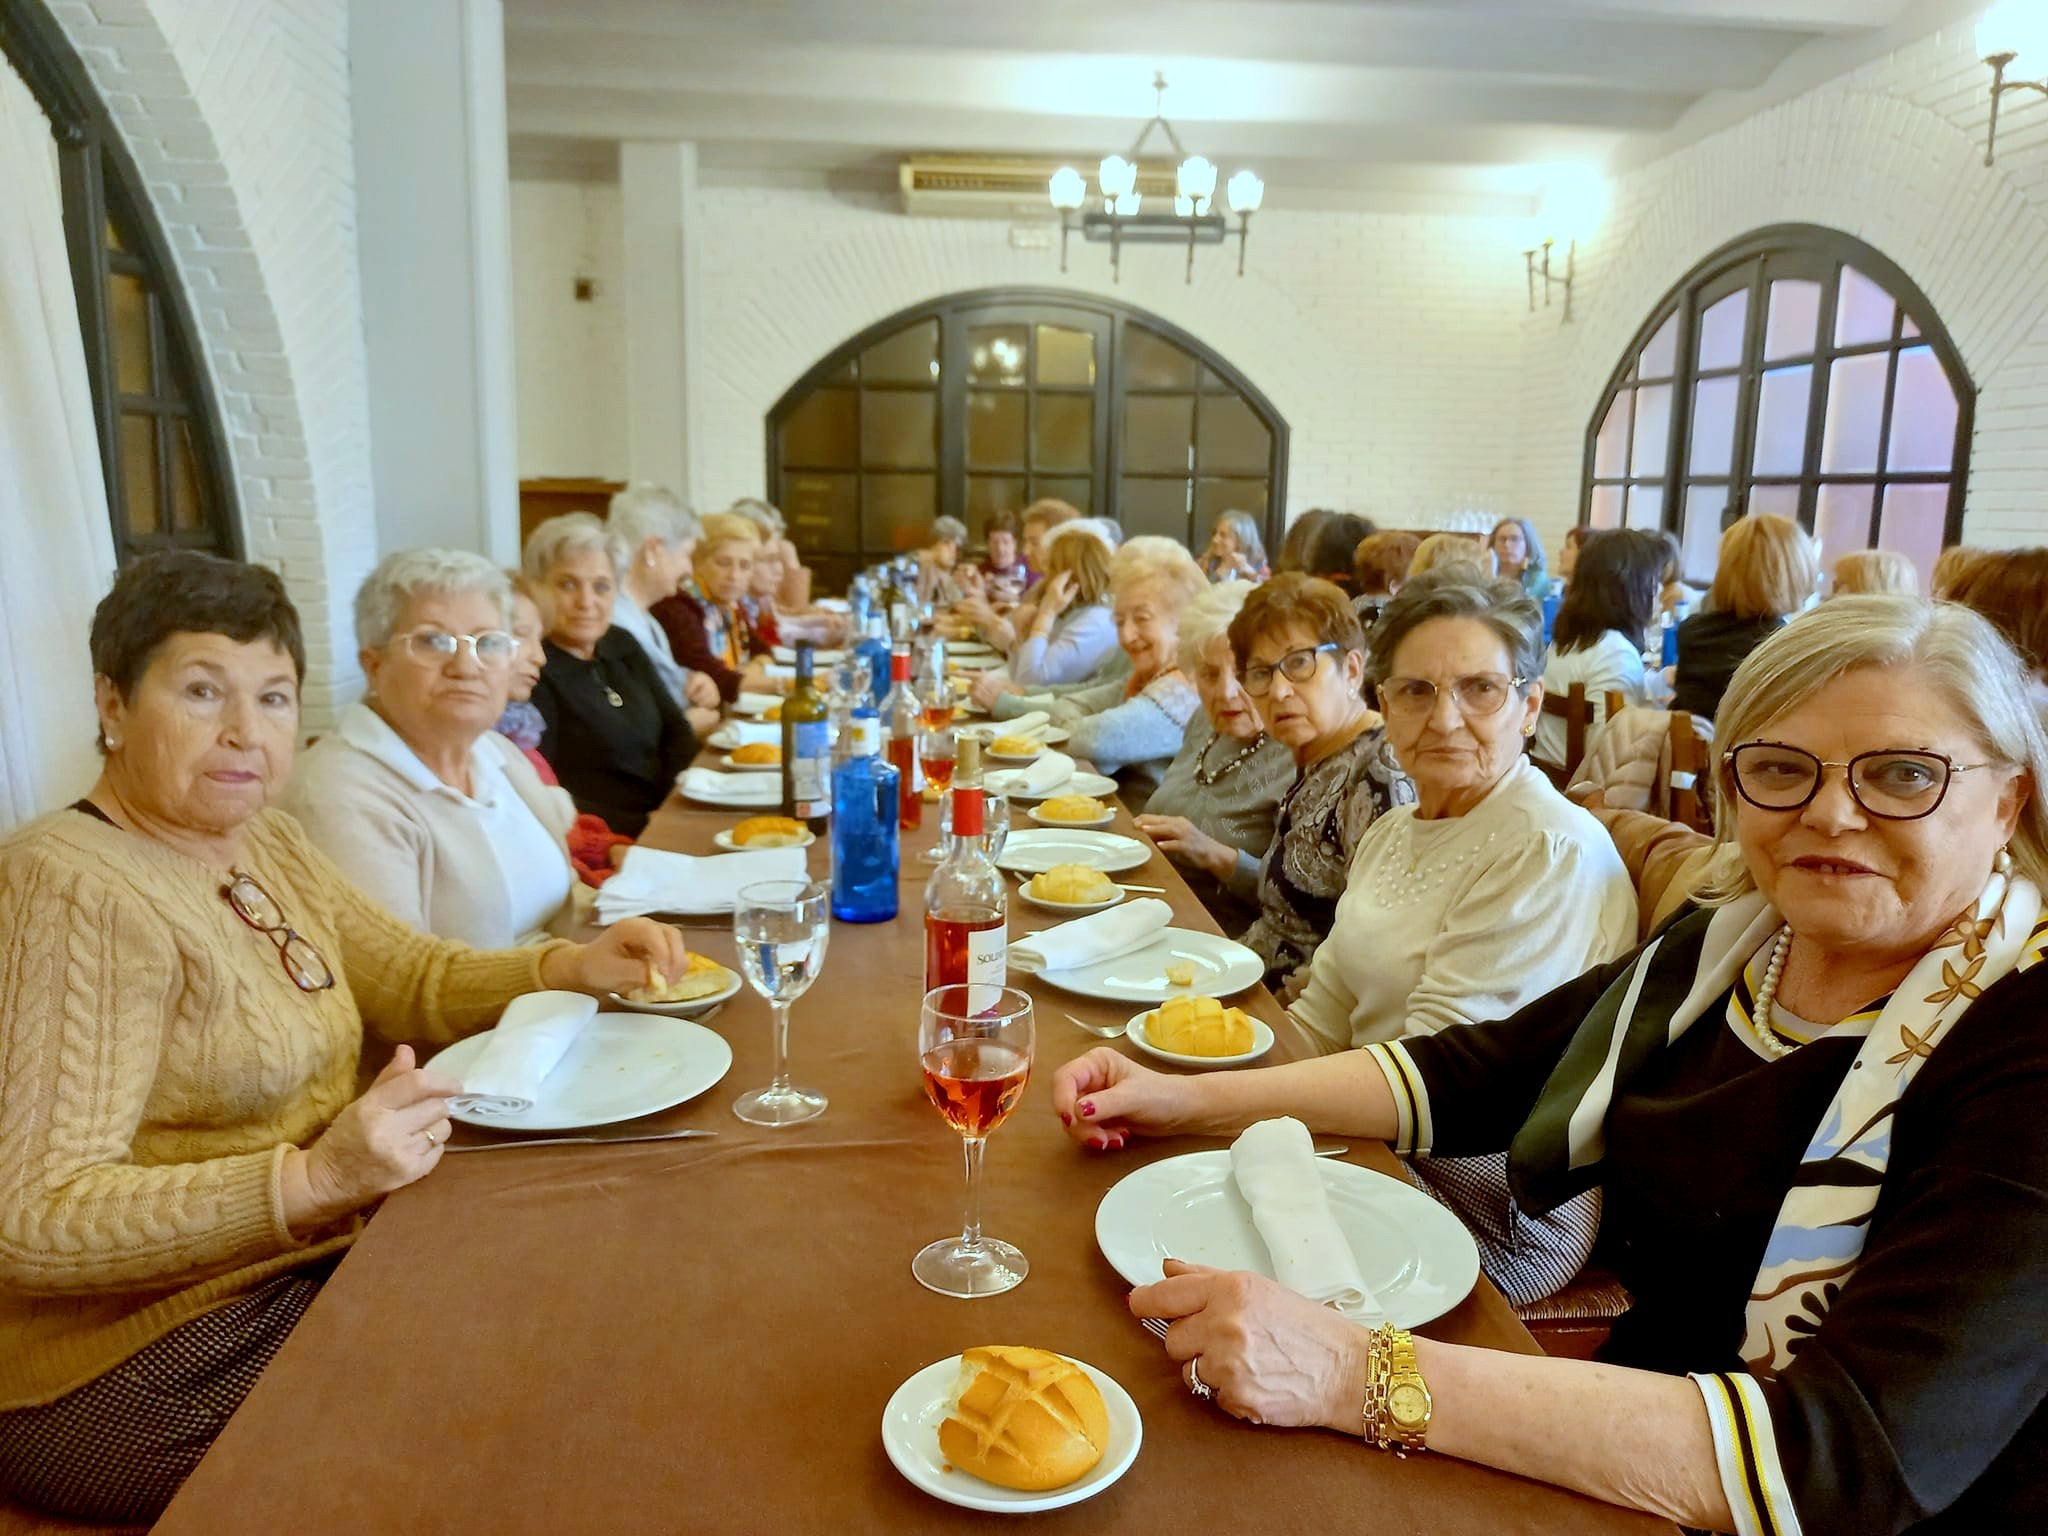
[563, 1141]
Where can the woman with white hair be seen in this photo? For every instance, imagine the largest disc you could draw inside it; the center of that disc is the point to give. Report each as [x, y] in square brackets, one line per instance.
[1236, 551]
[1214, 809]
[428, 810]
[937, 563]
[660, 534]
[613, 732]
[794, 594]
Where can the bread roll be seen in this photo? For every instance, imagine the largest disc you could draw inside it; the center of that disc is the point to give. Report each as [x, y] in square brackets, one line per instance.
[1199, 1026]
[701, 978]
[1073, 808]
[1075, 884]
[757, 753]
[1024, 1418]
[769, 832]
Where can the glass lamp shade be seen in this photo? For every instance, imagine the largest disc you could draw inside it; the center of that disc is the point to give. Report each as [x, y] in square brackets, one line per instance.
[1196, 179]
[1118, 178]
[1068, 188]
[1183, 204]
[1126, 203]
[2018, 28]
[1246, 192]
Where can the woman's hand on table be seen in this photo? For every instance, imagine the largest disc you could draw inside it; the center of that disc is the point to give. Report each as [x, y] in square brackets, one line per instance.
[383, 1141]
[1272, 1355]
[989, 687]
[619, 959]
[702, 721]
[701, 691]
[1185, 843]
[1104, 1099]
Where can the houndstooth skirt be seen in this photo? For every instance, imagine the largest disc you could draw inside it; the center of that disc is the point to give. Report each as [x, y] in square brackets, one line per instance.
[115, 1451]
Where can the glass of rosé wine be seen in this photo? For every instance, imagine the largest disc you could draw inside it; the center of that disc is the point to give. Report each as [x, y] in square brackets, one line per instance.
[974, 1045]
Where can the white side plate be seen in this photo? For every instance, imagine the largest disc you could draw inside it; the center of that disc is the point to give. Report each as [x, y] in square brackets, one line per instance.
[1222, 967]
[1137, 1033]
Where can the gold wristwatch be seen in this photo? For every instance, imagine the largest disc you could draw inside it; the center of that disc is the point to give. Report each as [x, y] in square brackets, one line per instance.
[1408, 1400]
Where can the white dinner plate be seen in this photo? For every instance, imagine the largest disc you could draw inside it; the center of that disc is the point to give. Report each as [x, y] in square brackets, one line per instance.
[774, 767]
[1069, 908]
[622, 1066]
[910, 1434]
[1053, 821]
[694, 1008]
[1138, 1035]
[1045, 735]
[1032, 849]
[740, 733]
[1002, 781]
[736, 791]
[786, 654]
[724, 840]
[975, 663]
[1222, 967]
[969, 648]
[1413, 1254]
[1014, 759]
[755, 704]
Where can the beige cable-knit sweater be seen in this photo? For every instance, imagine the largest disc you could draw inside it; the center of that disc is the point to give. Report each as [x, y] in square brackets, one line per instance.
[156, 1064]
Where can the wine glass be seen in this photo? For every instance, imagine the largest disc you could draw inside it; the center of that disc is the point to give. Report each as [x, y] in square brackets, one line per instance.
[974, 1044]
[995, 825]
[936, 753]
[781, 927]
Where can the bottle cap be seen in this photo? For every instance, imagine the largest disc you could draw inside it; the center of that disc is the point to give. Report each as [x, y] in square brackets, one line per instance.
[970, 812]
[967, 763]
[899, 665]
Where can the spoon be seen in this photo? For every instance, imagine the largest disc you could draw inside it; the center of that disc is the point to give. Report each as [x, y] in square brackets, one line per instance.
[1099, 1031]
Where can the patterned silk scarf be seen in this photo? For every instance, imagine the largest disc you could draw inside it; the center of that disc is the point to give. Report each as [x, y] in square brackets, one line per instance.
[1825, 1216]
[721, 625]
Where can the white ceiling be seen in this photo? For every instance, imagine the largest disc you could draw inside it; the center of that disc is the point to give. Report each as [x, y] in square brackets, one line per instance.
[1467, 103]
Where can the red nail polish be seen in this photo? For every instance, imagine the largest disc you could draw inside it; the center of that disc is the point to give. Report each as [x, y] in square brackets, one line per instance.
[1065, 1118]
[1088, 1110]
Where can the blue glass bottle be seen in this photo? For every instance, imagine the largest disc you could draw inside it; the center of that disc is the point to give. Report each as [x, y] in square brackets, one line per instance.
[864, 846]
[873, 647]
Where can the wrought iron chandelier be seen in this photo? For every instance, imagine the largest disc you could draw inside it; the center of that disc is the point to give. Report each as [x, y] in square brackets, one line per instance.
[1120, 217]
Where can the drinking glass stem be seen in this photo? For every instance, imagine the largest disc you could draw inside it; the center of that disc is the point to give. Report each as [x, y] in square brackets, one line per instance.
[780, 1038]
[970, 1232]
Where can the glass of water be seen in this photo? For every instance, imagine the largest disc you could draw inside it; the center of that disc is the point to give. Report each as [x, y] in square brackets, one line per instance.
[781, 927]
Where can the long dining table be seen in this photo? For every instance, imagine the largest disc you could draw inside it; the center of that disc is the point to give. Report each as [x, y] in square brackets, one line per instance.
[700, 1335]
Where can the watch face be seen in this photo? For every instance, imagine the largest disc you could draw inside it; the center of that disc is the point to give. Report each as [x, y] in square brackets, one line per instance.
[1409, 1403]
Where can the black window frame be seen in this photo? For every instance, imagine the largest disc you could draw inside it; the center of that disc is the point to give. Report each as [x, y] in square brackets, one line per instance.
[104, 192]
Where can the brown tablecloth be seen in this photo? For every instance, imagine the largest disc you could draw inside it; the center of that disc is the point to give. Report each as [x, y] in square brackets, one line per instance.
[701, 1335]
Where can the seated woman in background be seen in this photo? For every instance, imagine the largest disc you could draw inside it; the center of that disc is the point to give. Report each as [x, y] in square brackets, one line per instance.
[1568, 550]
[1040, 521]
[794, 595]
[1235, 552]
[1813, 1108]
[1301, 655]
[1767, 569]
[707, 621]
[1949, 567]
[2011, 590]
[1329, 554]
[1070, 631]
[611, 730]
[1442, 549]
[1518, 556]
[417, 800]
[1215, 806]
[937, 582]
[1131, 726]
[1004, 573]
[1598, 638]
[1295, 542]
[1378, 567]
[185, 986]
[660, 535]
[1876, 573]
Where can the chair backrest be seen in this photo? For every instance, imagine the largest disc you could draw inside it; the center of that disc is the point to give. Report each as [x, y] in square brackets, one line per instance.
[1691, 804]
[1576, 711]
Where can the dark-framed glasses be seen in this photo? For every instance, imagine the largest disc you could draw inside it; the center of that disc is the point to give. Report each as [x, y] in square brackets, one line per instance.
[1478, 695]
[259, 909]
[1296, 666]
[436, 647]
[1892, 784]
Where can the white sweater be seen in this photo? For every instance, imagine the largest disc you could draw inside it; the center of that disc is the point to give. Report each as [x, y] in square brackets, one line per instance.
[1609, 663]
[1465, 919]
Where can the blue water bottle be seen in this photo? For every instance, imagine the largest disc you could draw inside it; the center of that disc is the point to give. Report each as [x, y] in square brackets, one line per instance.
[864, 847]
[873, 647]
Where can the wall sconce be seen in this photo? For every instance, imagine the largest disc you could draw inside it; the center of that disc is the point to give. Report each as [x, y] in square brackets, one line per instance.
[2009, 29]
[1572, 205]
[1541, 268]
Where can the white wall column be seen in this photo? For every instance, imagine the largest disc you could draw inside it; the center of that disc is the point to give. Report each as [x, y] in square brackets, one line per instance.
[658, 189]
[434, 227]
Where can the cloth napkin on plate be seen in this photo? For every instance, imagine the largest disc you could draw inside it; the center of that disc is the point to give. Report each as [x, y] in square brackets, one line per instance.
[531, 1037]
[1275, 1166]
[756, 703]
[1044, 774]
[737, 789]
[655, 881]
[1020, 725]
[1097, 936]
[741, 733]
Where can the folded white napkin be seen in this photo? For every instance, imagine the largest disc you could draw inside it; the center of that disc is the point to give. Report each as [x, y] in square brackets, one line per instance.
[652, 880]
[1044, 774]
[735, 789]
[531, 1037]
[1021, 725]
[786, 654]
[756, 703]
[1097, 936]
[1275, 1165]
[741, 733]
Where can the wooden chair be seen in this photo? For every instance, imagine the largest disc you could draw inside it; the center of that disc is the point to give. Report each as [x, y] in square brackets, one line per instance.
[1691, 763]
[1574, 1322]
[1576, 711]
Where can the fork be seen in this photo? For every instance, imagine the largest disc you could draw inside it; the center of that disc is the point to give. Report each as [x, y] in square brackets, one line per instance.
[1099, 1031]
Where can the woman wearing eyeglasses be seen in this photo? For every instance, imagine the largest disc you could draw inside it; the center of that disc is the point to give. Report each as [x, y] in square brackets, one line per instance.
[1813, 1103]
[1301, 657]
[185, 985]
[426, 808]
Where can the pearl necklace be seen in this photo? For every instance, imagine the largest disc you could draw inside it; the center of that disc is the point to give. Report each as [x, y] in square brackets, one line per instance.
[1766, 994]
[1205, 777]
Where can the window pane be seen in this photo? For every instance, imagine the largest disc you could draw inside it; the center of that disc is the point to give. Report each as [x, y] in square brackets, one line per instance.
[1214, 497]
[995, 430]
[991, 493]
[1158, 432]
[1154, 506]
[138, 473]
[822, 433]
[1855, 413]
[187, 510]
[1064, 356]
[1793, 327]
[1660, 352]
[1232, 437]
[1713, 425]
[1063, 432]
[1841, 524]
[1606, 508]
[1923, 413]
[114, 240]
[1863, 311]
[1153, 362]
[1646, 506]
[1701, 536]
[1781, 420]
[911, 356]
[823, 511]
[1721, 331]
[1652, 438]
[128, 333]
[1910, 327]
[1780, 500]
[1915, 517]
[897, 428]
[899, 510]
[1610, 450]
[1078, 494]
[995, 354]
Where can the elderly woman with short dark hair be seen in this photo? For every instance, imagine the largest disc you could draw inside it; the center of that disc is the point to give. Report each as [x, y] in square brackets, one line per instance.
[1812, 1103]
[185, 982]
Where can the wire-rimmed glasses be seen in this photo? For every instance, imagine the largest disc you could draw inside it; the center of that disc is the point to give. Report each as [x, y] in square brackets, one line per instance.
[1479, 695]
[437, 647]
[249, 901]
[1891, 783]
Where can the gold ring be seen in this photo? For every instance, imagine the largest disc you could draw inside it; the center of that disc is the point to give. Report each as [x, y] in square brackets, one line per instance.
[432, 1139]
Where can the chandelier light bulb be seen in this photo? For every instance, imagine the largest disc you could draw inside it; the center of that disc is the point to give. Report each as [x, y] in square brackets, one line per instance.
[1196, 179]
[1118, 178]
[1183, 204]
[2018, 28]
[1126, 203]
[1246, 192]
[1069, 190]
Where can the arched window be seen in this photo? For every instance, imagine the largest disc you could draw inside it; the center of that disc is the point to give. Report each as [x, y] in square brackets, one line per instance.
[1795, 371]
[160, 436]
[988, 401]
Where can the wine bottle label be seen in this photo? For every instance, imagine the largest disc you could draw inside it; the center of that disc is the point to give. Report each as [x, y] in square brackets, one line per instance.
[988, 956]
[810, 769]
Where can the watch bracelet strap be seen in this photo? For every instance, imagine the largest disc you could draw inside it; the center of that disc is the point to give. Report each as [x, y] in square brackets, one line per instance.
[1402, 1363]
[1389, 1350]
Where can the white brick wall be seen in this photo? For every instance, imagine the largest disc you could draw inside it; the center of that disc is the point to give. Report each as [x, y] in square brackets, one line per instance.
[571, 356]
[237, 114]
